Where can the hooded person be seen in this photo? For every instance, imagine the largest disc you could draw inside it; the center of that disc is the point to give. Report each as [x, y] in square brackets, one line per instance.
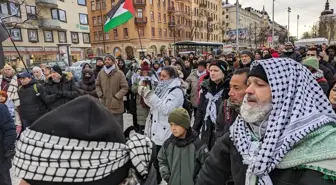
[284, 134]
[122, 66]
[156, 66]
[38, 75]
[84, 146]
[88, 83]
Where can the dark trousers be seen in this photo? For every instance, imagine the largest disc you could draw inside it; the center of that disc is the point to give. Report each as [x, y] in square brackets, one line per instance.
[156, 165]
[5, 178]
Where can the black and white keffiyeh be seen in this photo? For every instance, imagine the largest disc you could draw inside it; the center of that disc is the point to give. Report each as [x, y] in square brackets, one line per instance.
[44, 157]
[299, 107]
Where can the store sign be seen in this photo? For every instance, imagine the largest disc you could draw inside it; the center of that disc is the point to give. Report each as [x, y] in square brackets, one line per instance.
[82, 27]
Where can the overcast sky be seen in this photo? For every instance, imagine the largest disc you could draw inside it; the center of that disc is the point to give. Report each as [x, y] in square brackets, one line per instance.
[309, 11]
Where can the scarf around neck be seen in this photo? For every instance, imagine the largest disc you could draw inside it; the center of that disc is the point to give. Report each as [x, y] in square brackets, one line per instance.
[211, 109]
[109, 70]
[299, 108]
[49, 158]
[162, 87]
[199, 74]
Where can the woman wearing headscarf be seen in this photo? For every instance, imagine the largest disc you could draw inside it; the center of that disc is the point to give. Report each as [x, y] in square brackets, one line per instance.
[212, 92]
[38, 75]
[166, 97]
[87, 85]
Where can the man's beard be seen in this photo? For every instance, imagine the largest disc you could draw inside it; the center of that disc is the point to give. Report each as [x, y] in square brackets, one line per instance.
[254, 114]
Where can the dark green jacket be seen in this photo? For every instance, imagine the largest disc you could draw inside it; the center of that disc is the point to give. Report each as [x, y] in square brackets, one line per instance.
[180, 160]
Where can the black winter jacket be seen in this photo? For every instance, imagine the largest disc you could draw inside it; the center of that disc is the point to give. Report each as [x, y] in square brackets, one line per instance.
[226, 115]
[293, 55]
[88, 85]
[7, 138]
[328, 75]
[32, 105]
[225, 161]
[328, 65]
[58, 94]
[208, 134]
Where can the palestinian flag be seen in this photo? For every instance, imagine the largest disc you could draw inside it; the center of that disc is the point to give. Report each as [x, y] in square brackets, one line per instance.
[120, 13]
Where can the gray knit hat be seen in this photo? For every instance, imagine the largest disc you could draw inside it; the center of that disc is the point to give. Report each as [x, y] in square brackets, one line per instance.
[248, 52]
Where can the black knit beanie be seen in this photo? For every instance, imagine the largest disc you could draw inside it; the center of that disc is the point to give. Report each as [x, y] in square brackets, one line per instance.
[57, 69]
[258, 71]
[221, 64]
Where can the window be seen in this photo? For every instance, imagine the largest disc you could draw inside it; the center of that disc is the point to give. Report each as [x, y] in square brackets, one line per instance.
[115, 33]
[160, 32]
[74, 37]
[99, 20]
[170, 33]
[142, 32]
[32, 35]
[103, 4]
[139, 13]
[152, 16]
[158, 3]
[93, 5]
[159, 17]
[101, 35]
[164, 18]
[81, 2]
[165, 32]
[83, 19]
[107, 36]
[227, 16]
[62, 38]
[16, 34]
[98, 4]
[48, 36]
[58, 14]
[153, 32]
[125, 33]
[95, 34]
[94, 21]
[10, 8]
[31, 12]
[86, 38]
[164, 3]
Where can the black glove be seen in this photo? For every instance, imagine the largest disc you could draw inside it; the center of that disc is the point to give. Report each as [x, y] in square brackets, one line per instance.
[60, 93]
[9, 154]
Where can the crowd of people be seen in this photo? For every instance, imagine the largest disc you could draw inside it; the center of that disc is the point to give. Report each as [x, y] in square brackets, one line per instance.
[255, 117]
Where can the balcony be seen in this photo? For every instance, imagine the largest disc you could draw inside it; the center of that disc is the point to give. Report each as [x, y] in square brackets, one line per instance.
[47, 3]
[11, 20]
[171, 24]
[140, 20]
[171, 10]
[49, 24]
[139, 3]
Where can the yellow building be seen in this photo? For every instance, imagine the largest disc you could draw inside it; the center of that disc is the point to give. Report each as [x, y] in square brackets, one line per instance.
[159, 23]
[43, 29]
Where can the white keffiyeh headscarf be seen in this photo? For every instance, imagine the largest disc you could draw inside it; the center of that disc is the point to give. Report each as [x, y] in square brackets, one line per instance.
[49, 158]
[299, 108]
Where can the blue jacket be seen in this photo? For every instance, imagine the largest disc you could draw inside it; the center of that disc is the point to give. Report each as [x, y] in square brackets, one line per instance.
[7, 137]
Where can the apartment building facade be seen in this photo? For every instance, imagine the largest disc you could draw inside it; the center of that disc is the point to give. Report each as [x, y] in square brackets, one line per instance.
[157, 23]
[47, 29]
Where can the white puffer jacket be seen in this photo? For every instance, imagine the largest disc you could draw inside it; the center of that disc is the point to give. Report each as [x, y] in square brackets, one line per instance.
[157, 126]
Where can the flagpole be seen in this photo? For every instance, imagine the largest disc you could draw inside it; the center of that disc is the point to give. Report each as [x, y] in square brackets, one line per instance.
[9, 35]
[102, 23]
[140, 41]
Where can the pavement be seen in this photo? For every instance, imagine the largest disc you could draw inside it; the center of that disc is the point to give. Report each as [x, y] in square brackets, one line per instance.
[128, 121]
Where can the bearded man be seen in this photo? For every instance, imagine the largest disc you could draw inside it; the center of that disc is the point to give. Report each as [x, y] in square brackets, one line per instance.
[285, 132]
[229, 109]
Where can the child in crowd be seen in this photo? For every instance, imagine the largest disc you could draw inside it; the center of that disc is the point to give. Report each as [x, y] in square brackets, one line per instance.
[183, 154]
[4, 99]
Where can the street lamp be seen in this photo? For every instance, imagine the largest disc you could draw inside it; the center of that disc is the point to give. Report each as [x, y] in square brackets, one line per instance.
[273, 24]
[297, 31]
[289, 11]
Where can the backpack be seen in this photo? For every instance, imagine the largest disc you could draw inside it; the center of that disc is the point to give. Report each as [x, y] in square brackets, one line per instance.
[186, 100]
[35, 89]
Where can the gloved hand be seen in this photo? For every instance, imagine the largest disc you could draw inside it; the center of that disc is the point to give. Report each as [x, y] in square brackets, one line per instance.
[144, 91]
[59, 94]
[18, 129]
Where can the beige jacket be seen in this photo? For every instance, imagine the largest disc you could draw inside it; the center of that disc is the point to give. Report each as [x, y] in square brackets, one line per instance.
[111, 88]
